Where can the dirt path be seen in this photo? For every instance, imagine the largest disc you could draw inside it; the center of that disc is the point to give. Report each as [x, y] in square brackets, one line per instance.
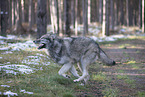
[125, 50]
[130, 58]
[128, 76]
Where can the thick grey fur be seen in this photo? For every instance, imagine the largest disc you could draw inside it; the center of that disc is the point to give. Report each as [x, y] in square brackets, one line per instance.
[70, 50]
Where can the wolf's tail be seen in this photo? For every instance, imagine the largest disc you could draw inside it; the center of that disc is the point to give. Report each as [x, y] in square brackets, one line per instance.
[105, 59]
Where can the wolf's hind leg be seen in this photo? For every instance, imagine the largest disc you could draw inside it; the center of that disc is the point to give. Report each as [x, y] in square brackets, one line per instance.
[84, 71]
[74, 72]
[64, 69]
[86, 60]
[84, 65]
[87, 77]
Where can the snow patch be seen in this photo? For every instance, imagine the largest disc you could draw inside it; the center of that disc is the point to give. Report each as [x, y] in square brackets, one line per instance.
[7, 52]
[94, 31]
[5, 48]
[9, 37]
[40, 55]
[32, 60]
[109, 38]
[16, 46]
[5, 86]
[22, 46]
[9, 93]
[2, 42]
[14, 68]
[36, 60]
[24, 91]
[2, 37]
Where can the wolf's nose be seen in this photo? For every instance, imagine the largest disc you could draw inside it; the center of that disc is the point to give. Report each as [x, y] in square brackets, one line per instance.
[34, 41]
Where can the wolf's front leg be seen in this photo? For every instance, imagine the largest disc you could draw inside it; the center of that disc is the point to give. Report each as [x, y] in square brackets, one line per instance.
[64, 69]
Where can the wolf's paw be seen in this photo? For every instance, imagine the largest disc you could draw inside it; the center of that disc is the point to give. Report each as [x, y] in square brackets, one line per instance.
[76, 80]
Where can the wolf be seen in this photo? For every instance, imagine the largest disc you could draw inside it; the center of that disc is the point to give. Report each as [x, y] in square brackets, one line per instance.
[70, 50]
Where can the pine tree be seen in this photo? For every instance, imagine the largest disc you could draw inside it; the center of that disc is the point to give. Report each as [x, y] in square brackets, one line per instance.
[41, 18]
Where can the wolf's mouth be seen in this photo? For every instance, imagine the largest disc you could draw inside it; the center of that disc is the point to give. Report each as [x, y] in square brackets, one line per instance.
[41, 46]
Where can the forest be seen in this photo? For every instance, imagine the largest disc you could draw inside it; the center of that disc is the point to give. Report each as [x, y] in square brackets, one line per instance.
[33, 16]
[116, 25]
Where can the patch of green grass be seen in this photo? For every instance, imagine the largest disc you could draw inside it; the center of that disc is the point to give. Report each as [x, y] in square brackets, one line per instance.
[111, 92]
[68, 95]
[61, 80]
[132, 64]
[41, 83]
[123, 46]
[126, 78]
[122, 76]
[126, 55]
[99, 77]
[14, 40]
[15, 57]
[129, 81]
[44, 82]
[107, 89]
[140, 94]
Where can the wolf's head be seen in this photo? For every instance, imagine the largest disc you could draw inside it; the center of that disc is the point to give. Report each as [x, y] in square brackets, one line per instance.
[45, 40]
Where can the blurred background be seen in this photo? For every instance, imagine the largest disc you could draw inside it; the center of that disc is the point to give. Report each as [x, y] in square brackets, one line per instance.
[71, 17]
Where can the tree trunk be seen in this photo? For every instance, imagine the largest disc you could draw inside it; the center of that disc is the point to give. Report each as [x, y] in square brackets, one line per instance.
[85, 17]
[116, 12]
[107, 17]
[13, 12]
[140, 14]
[97, 10]
[127, 12]
[121, 13]
[31, 14]
[26, 11]
[89, 11]
[80, 13]
[100, 11]
[76, 15]
[10, 13]
[112, 14]
[4, 16]
[73, 13]
[41, 18]
[131, 13]
[143, 16]
[94, 10]
[48, 12]
[23, 10]
[60, 9]
[105, 26]
[19, 27]
[67, 18]
[54, 15]
[104, 18]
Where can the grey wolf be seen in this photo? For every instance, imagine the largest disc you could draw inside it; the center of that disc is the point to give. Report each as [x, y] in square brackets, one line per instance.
[70, 50]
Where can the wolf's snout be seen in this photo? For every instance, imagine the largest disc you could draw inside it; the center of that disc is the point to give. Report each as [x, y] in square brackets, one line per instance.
[34, 41]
